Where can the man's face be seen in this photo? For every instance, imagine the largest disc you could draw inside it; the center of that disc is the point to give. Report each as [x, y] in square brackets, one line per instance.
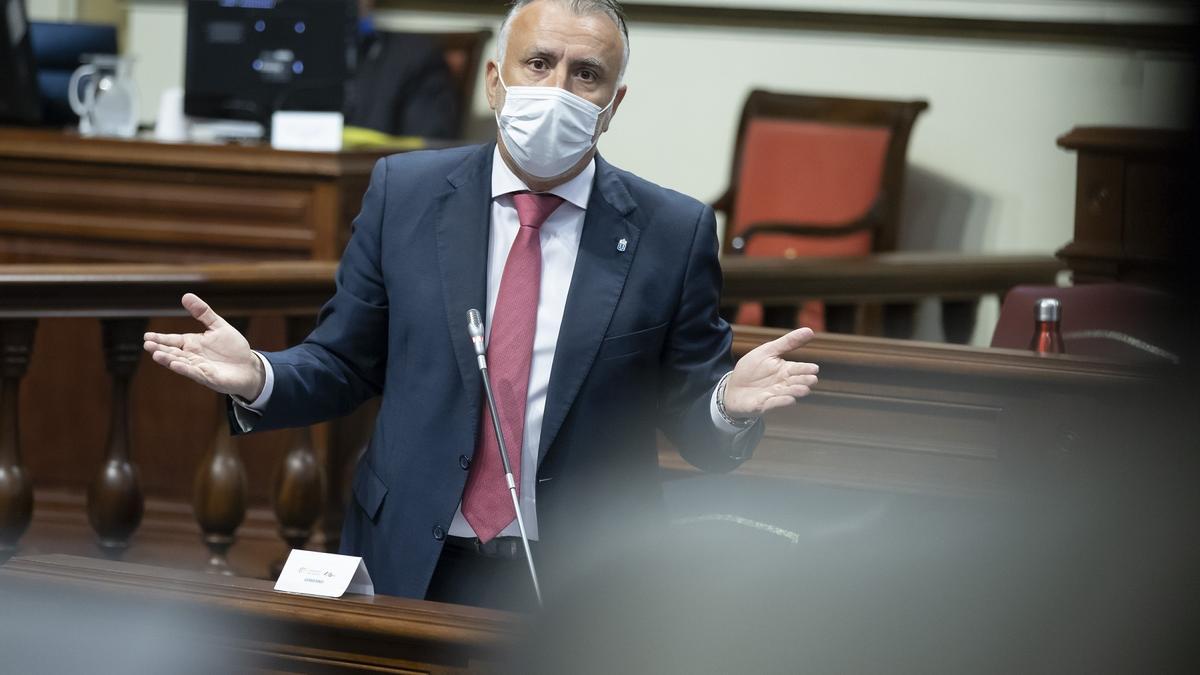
[551, 46]
[365, 7]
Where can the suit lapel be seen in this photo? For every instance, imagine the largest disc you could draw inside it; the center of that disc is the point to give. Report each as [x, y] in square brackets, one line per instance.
[463, 224]
[596, 285]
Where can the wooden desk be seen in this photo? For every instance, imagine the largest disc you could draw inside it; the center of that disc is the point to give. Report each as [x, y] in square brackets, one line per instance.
[882, 277]
[909, 416]
[246, 626]
[64, 198]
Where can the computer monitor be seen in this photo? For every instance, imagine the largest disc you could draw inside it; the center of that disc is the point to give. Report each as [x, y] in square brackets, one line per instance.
[19, 101]
[247, 59]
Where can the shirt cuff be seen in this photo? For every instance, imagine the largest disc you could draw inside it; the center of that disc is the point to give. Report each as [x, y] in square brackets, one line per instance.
[247, 412]
[723, 424]
[258, 404]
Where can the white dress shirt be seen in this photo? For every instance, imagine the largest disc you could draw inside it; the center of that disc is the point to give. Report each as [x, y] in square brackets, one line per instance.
[560, 245]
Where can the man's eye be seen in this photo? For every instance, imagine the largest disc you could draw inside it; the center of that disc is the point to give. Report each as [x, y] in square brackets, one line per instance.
[537, 64]
[587, 76]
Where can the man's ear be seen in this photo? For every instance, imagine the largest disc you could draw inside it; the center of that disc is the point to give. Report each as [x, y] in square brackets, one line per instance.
[492, 83]
[616, 104]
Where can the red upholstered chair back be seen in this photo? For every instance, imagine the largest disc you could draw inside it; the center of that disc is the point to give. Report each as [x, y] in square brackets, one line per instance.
[808, 173]
[816, 176]
[1110, 320]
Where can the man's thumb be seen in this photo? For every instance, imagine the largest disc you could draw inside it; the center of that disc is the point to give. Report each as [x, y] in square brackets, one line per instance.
[789, 342]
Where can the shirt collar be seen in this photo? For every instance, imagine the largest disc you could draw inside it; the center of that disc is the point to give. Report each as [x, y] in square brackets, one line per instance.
[576, 191]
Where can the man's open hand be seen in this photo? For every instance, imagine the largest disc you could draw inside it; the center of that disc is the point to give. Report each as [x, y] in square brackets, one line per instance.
[762, 380]
[219, 358]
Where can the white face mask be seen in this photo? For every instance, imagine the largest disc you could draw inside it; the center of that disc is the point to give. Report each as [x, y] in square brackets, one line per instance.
[547, 130]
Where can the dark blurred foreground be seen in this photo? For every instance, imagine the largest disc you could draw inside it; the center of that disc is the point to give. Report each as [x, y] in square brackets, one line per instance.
[1088, 571]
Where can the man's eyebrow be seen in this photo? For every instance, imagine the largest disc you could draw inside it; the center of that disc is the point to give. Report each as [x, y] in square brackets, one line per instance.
[536, 52]
[590, 62]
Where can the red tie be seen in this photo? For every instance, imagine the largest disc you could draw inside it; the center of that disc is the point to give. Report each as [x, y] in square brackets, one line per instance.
[486, 503]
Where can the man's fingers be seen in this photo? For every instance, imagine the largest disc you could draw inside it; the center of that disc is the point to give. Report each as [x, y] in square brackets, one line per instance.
[169, 340]
[801, 368]
[169, 351]
[806, 380]
[777, 402]
[790, 342]
[180, 366]
[785, 397]
[200, 311]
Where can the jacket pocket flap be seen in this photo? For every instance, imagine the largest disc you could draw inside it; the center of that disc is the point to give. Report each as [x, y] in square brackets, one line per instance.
[631, 343]
[369, 490]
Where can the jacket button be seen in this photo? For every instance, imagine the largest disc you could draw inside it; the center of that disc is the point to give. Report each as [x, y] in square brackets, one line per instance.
[438, 532]
[464, 462]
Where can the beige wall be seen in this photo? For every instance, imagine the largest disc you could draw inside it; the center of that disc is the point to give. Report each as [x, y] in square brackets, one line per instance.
[91, 11]
[985, 172]
[51, 10]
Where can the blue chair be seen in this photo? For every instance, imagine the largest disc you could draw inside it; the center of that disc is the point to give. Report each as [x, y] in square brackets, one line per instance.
[58, 49]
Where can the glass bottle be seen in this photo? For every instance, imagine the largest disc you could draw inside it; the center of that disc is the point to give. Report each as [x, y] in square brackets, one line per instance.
[1047, 335]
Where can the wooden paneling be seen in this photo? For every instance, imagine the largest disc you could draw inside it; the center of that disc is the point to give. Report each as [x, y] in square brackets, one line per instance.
[187, 201]
[66, 199]
[242, 625]
[887, 415]
[924, 24]
[934, 418]
[1132, 199]
[882, 276]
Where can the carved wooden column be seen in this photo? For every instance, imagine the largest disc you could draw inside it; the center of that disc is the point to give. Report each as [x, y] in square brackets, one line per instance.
[115, 501]
[16, 487]
[219, 498]
[300, 479]
[219, 490]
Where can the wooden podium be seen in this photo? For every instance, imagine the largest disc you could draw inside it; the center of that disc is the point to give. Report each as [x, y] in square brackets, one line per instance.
[64, 198]
[241, 625]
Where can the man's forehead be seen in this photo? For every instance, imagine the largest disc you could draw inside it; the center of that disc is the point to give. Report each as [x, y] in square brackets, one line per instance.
[552, 26]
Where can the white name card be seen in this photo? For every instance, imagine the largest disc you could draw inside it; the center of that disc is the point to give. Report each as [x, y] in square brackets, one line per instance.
[325, 574]
[313, 131]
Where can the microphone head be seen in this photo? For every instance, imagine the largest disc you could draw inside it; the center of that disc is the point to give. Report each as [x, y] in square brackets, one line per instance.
[475, 329]
[474, 323]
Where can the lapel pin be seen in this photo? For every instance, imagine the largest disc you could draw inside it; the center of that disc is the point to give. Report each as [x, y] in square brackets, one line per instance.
[622, 245]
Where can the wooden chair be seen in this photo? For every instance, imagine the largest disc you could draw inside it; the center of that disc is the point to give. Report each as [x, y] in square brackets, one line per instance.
[464, 57]
[815, 176]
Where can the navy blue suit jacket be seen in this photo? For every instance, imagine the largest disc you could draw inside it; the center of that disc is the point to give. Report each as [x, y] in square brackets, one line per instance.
[641, 348]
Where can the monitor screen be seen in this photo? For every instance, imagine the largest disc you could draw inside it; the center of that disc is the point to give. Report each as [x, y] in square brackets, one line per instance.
[248, 58]
[19, 100]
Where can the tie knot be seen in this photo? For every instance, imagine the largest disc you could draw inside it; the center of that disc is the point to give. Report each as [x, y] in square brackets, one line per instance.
[534, 208]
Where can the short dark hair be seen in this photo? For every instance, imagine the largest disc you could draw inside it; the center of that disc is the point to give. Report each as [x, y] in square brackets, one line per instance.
[610, 8]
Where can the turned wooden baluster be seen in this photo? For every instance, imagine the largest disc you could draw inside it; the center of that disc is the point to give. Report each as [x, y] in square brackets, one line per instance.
[219, 490]
[16, 487]
[115, 501]
[300, 478]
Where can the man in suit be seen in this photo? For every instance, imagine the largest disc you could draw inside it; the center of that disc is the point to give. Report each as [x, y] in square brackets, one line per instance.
[600, 292]
[402, 85]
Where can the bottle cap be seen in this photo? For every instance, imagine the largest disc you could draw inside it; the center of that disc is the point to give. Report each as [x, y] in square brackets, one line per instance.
[1048, 309]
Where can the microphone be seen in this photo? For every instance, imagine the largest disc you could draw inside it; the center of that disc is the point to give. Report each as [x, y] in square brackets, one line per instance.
[475, 329]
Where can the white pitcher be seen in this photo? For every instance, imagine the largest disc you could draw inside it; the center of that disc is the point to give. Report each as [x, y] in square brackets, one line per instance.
[102, 92]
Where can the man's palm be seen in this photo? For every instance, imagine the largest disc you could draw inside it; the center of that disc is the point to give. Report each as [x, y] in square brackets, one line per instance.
[763, 380]
[220, 358]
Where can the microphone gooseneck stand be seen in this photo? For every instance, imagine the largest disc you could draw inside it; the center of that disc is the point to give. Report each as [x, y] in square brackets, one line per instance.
[475, 328]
